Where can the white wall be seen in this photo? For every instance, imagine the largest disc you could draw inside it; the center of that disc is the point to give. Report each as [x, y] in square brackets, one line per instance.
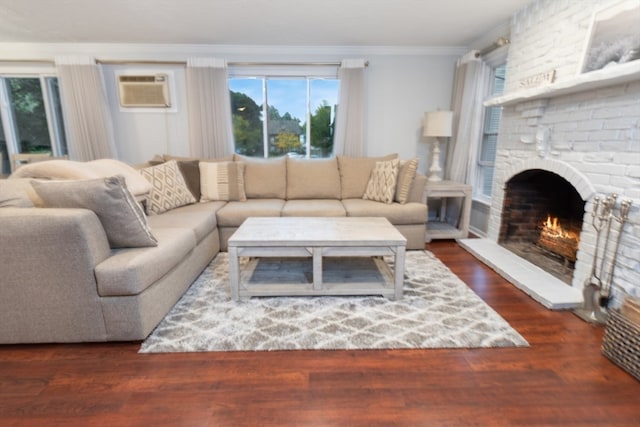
[403, 83]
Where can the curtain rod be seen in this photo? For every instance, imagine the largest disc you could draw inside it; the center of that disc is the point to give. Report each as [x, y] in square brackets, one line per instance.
[161, 62]
[230, 63]
[501, 41]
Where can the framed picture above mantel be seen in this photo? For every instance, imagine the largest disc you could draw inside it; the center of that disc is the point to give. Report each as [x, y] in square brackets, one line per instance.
[613, 37]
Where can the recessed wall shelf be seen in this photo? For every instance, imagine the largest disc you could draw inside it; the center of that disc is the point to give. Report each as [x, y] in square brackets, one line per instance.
[605, 77]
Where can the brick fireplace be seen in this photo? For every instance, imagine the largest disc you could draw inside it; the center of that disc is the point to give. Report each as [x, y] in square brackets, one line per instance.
[542, 218]
[583, 129]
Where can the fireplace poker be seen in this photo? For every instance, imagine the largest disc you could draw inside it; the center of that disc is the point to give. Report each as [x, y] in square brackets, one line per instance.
[625, 207]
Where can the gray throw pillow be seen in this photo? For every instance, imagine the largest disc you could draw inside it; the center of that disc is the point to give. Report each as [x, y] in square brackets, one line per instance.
[121, 216]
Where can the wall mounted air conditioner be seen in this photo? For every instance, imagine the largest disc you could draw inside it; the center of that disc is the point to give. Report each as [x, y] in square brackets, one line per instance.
[144, 91]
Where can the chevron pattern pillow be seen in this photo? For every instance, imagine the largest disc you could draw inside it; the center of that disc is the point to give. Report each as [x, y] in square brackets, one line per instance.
[382, 182]
[168, 188]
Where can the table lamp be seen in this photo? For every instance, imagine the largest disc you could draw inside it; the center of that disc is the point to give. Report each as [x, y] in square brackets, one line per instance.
[437, 124]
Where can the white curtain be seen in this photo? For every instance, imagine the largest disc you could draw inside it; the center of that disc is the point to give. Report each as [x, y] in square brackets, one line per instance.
[209, 105]
[471, 82]
[470, 85]
[348, 139]
[88, 124]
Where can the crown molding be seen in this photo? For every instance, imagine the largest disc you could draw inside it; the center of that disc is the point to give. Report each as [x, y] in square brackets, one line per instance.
[123, 51]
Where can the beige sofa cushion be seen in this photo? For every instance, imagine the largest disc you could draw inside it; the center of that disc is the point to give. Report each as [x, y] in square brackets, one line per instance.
[264, 178]
[397, 214]
[314, 207]
[355, 173]
[382, 182]
[121, 216]
[131, 271]
[199, 217]
[234, 213]
[406, 174]
[313, 179]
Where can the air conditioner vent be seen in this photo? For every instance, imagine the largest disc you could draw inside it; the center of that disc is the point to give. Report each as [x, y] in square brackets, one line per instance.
[144, 91]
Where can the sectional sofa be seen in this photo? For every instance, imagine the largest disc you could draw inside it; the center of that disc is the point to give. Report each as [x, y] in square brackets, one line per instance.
[101, 252]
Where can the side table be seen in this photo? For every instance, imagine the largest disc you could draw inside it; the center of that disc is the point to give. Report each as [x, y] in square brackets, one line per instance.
[440, 228]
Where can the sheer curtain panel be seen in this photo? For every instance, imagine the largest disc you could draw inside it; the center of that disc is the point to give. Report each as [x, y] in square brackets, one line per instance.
[469, 88]
[209, 105]
[88, 124]
[471, 80]
[348, 139]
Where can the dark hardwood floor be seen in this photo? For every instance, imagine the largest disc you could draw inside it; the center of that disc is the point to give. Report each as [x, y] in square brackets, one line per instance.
[561, 379]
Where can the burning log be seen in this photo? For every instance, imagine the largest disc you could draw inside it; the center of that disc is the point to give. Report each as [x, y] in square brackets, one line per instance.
[557, 240]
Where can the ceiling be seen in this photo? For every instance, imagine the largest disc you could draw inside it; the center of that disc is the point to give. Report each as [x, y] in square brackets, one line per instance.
[439, 23]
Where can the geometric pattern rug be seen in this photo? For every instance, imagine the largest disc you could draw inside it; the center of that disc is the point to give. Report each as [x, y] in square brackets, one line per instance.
[437, 310]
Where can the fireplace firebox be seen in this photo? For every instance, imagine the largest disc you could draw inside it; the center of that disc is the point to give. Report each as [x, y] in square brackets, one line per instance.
[542, 217]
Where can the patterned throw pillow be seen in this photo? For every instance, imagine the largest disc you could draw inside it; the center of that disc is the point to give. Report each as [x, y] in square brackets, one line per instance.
[168, 188]
[222, 181]
[406, 173]
[382, 182]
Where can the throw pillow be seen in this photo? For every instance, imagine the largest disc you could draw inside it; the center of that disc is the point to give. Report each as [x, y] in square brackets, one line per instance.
[355, 173]
[121, 216]
[168, 189]
[191, 174]
[406, 173]
[222, 181]
[382, 183]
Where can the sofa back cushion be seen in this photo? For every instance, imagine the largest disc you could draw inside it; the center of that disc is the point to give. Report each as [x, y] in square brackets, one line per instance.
[264, 178]
[313, 179]
[355, 173]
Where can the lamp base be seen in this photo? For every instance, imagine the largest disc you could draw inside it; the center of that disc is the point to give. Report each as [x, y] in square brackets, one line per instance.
[435, 169]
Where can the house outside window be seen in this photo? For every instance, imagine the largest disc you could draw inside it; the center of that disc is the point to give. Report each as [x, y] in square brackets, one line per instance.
[487, 152]
[283, 115]
[30, 117]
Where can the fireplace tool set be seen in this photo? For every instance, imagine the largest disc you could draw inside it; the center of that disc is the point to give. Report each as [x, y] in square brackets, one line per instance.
[597, 290]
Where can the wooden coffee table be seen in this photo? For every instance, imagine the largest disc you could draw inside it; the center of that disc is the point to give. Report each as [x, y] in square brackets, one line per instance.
[316, 238]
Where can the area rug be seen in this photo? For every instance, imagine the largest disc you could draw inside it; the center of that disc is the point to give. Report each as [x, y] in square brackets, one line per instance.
[437, 311]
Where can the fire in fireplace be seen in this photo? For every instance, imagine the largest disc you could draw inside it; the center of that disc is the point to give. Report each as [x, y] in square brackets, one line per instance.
[542, 217]
[559, 240]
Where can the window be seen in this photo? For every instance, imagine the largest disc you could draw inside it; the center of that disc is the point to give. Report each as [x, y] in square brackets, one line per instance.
[299, 112]
[487, 154]
[31, 117]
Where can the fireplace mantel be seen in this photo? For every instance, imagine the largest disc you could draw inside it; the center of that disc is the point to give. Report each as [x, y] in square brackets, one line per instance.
[588, 81]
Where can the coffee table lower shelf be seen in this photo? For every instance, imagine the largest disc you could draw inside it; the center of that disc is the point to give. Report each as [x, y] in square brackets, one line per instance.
[294, 277]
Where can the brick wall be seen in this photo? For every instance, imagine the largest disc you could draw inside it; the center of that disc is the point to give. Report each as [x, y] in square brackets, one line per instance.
[593, 136]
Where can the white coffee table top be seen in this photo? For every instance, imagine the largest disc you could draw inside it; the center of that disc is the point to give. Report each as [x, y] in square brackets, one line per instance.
[298, 231]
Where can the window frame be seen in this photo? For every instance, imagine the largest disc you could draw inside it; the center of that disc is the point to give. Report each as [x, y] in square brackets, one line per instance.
[494, 60]
[55, 121]
[308, 73]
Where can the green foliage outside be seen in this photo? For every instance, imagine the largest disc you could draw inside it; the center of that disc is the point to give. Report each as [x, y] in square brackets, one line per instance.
[30, 115]
[285, 132]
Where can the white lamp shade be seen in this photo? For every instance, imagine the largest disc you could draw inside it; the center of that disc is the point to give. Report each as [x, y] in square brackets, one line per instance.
[437, 123]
